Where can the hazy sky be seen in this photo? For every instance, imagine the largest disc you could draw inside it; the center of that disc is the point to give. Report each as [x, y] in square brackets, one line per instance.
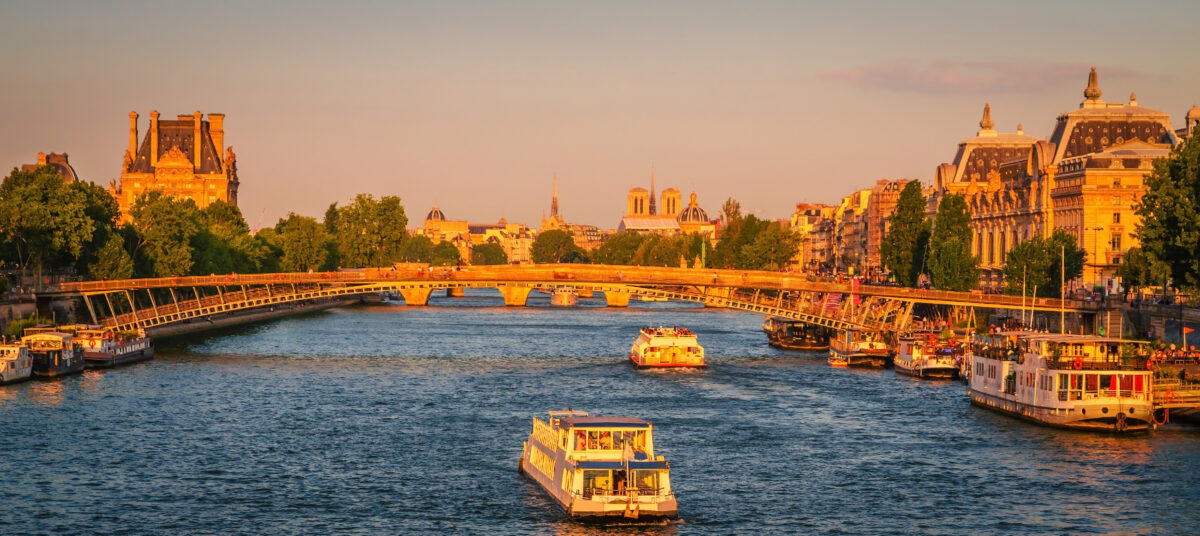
[475, 106]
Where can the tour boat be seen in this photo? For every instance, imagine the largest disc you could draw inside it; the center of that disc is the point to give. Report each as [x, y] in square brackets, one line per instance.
[648, 299]
[924, 355]
[667, 347]
[599, 468]
[857, 349]
[796, 335]
[1070, 381]
[16, 364]
[54, 353]
[564, 297]
[103, 348]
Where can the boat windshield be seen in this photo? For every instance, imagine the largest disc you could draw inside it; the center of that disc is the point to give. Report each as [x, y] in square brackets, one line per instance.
[610, 440]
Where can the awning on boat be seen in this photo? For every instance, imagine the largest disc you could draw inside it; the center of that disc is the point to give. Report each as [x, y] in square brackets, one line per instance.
[602, 422]
[621, 465]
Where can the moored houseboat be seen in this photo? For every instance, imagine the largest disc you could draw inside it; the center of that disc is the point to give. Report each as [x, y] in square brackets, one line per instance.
[599, 468]
[16, 364]
[796, 335]
[926, 355]
[667, 347]
[852, 348]
[1069, 381]
[104, 348]
[54, 353]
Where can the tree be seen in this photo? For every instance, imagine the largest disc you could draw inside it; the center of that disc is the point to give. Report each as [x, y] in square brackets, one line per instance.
[1039, 262]
[1170, 211]
[902, 250]
[417, 249]
[167, 227]
[302, 242]
[1138, 269]
[445, 254]
[771, 249]
[44, 217]
[112, 261]
[951, 264]
[618, 248]
[488, 254]
[555, 246]
[369, 231]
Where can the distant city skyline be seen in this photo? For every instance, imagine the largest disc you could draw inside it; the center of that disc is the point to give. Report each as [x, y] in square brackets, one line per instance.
[476, 107]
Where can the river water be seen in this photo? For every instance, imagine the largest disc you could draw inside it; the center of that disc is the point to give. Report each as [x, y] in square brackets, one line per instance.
[394, 420]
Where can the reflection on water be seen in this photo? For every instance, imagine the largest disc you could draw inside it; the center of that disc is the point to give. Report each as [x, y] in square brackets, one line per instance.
[400, 420]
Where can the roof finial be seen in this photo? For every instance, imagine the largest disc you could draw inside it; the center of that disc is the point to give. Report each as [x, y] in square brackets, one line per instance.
[1133, 99]
[1020, 130]
[1093, 88]
[986, 123]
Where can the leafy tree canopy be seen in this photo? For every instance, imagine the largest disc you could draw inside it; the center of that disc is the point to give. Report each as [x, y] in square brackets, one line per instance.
[488, 254]
[951, 264]
[1170, 211]
[556, 246]
[903, 249]
[445, 254]
[1039, 262]
[618, 248]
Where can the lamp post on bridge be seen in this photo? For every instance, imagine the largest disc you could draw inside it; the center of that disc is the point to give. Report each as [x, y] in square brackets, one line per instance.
[1096, 255]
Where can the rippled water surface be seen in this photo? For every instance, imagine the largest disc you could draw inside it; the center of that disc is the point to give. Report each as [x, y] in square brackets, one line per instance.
[395, 420]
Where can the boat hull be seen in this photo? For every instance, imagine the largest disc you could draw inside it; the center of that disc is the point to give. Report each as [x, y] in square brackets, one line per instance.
[54, 365]
[637, 363]
[585, 510]
[112, 359]
[15, 377]
[932, 373]
[1137, 416]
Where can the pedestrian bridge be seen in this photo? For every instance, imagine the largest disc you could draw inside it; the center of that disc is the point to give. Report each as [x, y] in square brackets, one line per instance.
[151, 302]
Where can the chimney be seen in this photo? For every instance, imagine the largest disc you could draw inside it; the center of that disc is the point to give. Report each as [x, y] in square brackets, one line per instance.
[133, 117]
[216, 128]
[41, 159]
[154, 137]
[196, 139]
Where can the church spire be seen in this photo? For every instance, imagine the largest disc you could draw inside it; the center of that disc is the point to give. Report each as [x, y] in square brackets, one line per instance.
[653, 206]
[554, 200]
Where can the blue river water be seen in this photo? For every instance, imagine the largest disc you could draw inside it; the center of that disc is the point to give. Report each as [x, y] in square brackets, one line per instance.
[387, 419]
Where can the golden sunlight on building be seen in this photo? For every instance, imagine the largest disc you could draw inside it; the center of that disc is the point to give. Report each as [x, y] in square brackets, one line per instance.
[183, 158]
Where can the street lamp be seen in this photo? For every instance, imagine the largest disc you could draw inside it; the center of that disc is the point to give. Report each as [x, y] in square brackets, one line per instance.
[1096, 253]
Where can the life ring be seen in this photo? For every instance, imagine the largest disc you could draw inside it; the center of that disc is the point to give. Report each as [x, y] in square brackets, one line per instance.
[1078, 363]
[1149, 365]
[953, 342]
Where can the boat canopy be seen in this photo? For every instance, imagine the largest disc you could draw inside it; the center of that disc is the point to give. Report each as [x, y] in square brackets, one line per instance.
[654, 464]
[1066, 337]
[602, 422]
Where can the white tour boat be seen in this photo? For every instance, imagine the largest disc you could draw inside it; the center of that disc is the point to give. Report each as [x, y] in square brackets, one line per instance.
[599, 468]
[667, 347]
[564, 297]
[924, 355]
[1069, 381]
[103, 348]
[857, 349]
[16, 364]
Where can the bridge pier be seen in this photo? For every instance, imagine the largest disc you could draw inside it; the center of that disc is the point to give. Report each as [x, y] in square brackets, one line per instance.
[416, 296]
[515, 296]
[617, 298]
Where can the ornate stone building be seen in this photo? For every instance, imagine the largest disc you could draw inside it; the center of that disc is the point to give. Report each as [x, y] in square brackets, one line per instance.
[58, 161]
[1085, 180]
[884, 197]
[184, 158]
[815, 224]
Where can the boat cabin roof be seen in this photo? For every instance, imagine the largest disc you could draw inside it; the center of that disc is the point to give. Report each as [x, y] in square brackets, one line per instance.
[650, 464]
[602, 422]
[47, 335]
[1067, 338]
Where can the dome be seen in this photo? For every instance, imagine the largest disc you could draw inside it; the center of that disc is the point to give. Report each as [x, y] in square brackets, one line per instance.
[693, 213]
[435, 215]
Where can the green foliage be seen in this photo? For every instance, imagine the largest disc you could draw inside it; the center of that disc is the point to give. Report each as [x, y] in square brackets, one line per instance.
[618, 248]
[748, 243]
[370, 232]
[1170, 211]
[951, 265]
[903, 250]
[1138, 269]
[112, 261]
[488, 254]
[1039, 262]
[556, 246]
[445, 254]
[47, 219]
[16, 328]
[770, 249]
[167, 227]
[417, 249]
[302, 241]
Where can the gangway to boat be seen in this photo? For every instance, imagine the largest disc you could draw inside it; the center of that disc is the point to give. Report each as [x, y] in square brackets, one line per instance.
[1173, 394]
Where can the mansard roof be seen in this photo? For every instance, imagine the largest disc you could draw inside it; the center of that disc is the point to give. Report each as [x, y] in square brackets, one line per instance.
[178, 133]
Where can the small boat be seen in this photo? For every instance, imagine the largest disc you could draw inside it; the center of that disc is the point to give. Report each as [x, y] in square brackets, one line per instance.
[858, 349]
[599, 468]
[1080, 382]
[16, 364]
[649, 299]
[103, 348]
[564, 297]
[795, 335]
[925, 355]
[54, 353]
[667, 347]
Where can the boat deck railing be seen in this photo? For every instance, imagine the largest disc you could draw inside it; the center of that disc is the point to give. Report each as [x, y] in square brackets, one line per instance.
[602, 493]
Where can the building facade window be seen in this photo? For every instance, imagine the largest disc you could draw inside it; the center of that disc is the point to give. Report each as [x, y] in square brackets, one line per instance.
[1116, 217]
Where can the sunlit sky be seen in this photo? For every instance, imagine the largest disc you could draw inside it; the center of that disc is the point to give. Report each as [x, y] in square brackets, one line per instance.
[475, 107]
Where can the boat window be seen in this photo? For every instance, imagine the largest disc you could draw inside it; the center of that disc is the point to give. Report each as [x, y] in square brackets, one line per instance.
[646, 480]
[1093, 383]
[596, 481]
[581, 442]
[606, 442]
